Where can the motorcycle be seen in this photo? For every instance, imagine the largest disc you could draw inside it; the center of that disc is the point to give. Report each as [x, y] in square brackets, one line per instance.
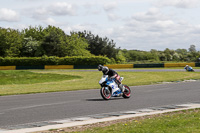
[109, 88]
[189, 69]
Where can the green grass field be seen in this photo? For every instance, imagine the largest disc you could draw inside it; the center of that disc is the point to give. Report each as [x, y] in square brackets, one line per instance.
[27, 77]
[179, 122]
[40, 81]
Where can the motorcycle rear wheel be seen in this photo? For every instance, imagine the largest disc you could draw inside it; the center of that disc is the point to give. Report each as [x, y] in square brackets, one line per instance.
[105, 93]
[127, 92]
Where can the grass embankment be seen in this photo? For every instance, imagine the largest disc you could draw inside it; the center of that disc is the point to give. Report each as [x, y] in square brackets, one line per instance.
[187, 121]
[24, 82]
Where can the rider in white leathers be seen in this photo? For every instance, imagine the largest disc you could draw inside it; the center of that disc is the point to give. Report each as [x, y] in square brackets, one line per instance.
[111, 74]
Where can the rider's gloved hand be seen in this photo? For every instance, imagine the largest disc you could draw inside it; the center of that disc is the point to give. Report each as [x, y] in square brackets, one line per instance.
[111, 78]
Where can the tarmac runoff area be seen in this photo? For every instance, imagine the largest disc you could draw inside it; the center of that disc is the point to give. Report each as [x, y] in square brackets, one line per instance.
[91, 119]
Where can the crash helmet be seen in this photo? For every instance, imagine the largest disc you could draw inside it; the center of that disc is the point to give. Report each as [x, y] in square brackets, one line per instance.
[105, 70]
[100, 67]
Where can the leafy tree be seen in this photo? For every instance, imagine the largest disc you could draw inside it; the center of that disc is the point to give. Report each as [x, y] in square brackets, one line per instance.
[120, 57]
[192, 48]
[99, 45]
[54, 42]
[3, 45]
[133, 55]
[182, 54]
[10, 42]
[76, 46]
[176, 57]
[31, 48]
[162, 57]
[37, 33]
[169, 54]
[193, 54]
[154, 55]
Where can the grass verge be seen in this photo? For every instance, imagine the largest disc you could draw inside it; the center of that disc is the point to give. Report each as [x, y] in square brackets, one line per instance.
[59, 80]
[186, 121]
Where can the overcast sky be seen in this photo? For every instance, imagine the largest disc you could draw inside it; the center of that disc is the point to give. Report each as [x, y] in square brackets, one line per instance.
[132, 24]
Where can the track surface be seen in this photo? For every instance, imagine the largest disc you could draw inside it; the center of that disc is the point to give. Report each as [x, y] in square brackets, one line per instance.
[30, 108]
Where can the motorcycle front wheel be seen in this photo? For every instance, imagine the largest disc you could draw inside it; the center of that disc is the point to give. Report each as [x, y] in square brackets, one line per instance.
[127, 92]
[105, 93]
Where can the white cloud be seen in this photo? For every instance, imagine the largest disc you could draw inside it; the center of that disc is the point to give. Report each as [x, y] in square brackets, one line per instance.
[55, 9]
[152, 14]
[62, 8]
[155, 30]
[39, 13]
[110, 6]
[82, 27]
[112, 16]
[165, 24]
[179, 3]
[50, 21]
[8, 15]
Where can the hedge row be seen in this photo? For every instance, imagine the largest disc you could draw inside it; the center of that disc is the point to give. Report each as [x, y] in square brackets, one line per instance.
[38, 61]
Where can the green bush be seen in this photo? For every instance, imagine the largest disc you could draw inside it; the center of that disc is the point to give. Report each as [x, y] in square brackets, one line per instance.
[37, 61]
[82, 60]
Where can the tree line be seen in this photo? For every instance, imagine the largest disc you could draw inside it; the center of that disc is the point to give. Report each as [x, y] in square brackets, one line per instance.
[53, 41]
[178, 55]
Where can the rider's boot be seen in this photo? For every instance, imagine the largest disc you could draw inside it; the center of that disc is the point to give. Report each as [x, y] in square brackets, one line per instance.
[122, 87]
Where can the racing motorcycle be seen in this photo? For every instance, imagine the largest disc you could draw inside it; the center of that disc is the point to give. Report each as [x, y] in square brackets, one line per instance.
[109, 88]
[189, 69]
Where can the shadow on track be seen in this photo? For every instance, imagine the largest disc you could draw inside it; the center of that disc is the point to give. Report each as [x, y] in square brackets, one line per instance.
[101, 99]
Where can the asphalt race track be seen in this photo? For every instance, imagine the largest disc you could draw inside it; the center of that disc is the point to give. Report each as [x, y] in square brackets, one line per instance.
[31, 108]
